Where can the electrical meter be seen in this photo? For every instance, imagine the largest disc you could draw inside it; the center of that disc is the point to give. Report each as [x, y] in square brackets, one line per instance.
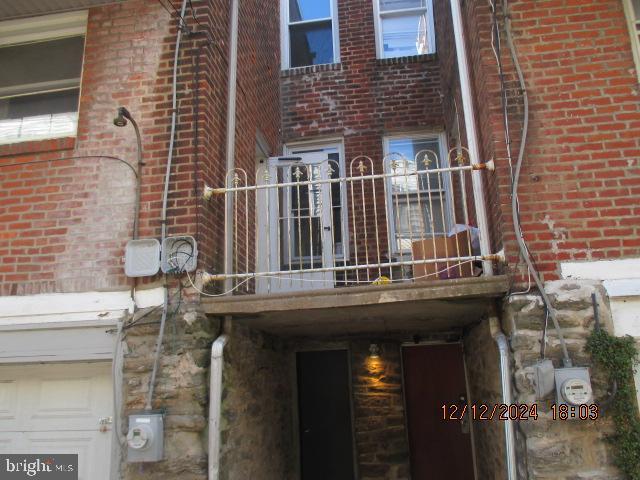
[573, 389]
[576, 391]
[139, 437]
[145, 437]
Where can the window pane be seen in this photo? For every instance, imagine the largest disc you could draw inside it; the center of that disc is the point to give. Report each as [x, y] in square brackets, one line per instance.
[46, 103]
[415, 220]
[311, 44]
[428, 153]
[404, 35]
[54, 64]
[386, 5]
[308, 9]
[47, 115]
[636, 9]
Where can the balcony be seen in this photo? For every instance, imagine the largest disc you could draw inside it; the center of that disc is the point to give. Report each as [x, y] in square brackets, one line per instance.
[357, 240]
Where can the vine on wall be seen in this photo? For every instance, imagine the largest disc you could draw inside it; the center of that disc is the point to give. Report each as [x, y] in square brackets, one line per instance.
[617, 356]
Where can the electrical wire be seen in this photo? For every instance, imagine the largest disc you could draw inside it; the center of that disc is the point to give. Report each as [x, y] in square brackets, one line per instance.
[496, 46]
[216, 294]
[315, 280]
[514, 191]
[543, 342]
[182, 24]
[77, 157]
[90, 157]
[120, 438]
[165, 197]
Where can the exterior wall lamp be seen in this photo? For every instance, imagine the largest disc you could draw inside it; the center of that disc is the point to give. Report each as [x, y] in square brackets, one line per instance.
[121, 121]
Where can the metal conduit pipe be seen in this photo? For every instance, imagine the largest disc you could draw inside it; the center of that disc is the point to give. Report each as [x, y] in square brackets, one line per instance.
[165, 196]
[472, 134]
[231, 137]
[505, 375]
[215, 404]
[217, 349]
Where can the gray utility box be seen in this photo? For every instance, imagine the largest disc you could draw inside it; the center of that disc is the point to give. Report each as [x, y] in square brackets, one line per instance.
[573, 388]
[179, 255]
[145, 439]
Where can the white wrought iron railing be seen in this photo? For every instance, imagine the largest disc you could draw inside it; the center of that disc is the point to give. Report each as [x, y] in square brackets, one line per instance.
[311, 222]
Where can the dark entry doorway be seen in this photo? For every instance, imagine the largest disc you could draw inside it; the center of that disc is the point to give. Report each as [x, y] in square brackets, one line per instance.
[434, 376]
[326, 442]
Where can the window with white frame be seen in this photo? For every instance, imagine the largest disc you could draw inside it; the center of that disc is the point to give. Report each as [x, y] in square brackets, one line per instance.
[418, 204]
[41, 60]
[309, 32]
[404, 27]
[632, 9]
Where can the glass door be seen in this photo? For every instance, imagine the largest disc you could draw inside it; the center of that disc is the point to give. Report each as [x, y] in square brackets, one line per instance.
[304, 211]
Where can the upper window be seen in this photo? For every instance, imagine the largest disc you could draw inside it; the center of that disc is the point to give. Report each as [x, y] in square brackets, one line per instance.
[632, 8]
[310, 32]
[41, 62]
[404, 27]
[418, 203]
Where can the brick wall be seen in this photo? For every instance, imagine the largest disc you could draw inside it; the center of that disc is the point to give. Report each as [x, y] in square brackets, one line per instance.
[361, 99]
[379, 420]
[580, 183]
[63, 225]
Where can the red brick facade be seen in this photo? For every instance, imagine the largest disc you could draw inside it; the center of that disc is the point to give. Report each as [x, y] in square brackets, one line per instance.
[64, 224]
[580, 185]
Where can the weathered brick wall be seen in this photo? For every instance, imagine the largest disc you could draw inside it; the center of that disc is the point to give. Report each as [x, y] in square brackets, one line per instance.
[361, 99]
[580, 183]
[379, 420]
[454, 118]
[63, 225]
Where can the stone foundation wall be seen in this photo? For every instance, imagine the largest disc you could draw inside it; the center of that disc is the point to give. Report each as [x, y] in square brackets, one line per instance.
[256, 421]
[181, 390]
[256, 425]
[485, 387]
[555, 449]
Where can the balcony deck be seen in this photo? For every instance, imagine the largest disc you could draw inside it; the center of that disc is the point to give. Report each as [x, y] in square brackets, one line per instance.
[414, 306]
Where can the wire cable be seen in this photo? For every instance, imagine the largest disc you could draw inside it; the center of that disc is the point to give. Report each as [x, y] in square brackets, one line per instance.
[317, 280]
[216, 294]
[165, 197]
[77, 157]
[514, 190]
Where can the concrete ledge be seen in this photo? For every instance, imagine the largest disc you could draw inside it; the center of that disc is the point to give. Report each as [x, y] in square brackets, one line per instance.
[420, 305]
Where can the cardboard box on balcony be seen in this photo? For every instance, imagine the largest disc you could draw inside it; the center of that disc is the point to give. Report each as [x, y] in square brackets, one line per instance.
[442, 247]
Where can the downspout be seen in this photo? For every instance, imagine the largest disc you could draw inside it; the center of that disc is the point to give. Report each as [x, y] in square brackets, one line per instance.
[231, 140]
[472, 134]
[505, 374]
[217, 349]
[215, 403]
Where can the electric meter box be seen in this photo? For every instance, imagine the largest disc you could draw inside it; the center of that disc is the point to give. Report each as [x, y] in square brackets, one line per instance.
[145, 439]
[573, 386]
[179, 255]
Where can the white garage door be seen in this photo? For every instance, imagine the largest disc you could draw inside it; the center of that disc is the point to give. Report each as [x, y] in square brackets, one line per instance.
[56, 408]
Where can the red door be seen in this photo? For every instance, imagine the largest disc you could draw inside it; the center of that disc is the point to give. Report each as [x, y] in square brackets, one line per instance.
[434, 376]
